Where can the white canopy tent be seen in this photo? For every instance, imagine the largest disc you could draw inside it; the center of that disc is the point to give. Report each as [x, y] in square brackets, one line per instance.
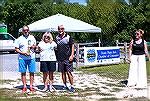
[70, 24]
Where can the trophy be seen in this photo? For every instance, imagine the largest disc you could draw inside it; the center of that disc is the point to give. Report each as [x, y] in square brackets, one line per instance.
[29, 45]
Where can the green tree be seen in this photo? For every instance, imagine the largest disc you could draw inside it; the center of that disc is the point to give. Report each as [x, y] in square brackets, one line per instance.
[2, 2]
[135, 2]
[102, 14]
[130, 18]
[59, 1]
[1, 7]
[116, 19]
[16, 15]
[146, 11]
[121, 1]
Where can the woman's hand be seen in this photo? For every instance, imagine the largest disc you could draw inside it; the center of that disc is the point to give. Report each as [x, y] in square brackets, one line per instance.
[129, 60]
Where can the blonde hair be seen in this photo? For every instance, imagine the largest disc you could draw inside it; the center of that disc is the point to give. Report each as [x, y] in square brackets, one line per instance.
[47, 34]
[141, 31]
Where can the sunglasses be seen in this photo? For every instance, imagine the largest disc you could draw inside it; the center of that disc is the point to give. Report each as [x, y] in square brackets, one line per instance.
[60, 28]
[47, 37]
[138, 33]
[25, 30]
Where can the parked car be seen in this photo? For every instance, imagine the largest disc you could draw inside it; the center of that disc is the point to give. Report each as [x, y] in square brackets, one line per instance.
[7, 42]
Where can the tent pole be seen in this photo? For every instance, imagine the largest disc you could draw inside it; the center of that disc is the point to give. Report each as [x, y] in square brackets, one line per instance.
[99, 42]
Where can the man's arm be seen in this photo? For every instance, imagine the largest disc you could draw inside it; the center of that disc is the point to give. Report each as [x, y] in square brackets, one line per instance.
[71, 42]
[72, 53]
[20, 52]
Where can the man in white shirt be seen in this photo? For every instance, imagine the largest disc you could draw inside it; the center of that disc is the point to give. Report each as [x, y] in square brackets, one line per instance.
[25, 46]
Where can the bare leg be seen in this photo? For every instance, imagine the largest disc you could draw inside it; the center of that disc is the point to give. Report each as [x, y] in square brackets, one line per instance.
[51, 78]
[31, 79]
[23, 78]
[70, 77]
[64, 77]
[45, 74]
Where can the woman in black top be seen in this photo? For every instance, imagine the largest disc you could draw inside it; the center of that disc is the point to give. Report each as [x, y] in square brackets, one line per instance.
[137, 50]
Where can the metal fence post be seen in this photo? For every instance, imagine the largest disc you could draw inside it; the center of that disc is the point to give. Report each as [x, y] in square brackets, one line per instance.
[77, 55]
[117, 42]
[125, 52]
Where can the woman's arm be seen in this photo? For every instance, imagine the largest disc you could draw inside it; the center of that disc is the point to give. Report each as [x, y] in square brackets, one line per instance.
[130, 50]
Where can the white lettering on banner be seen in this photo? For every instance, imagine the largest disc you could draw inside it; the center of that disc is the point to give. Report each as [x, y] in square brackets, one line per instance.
[101, 55]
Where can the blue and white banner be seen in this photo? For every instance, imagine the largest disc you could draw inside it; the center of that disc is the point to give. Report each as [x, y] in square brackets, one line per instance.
[101, 55]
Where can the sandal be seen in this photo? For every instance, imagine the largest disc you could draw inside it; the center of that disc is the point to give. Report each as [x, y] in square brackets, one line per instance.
[24, 90]
[32, 89]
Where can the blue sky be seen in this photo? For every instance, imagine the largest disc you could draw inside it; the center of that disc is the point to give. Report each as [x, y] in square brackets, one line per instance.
[81, 1]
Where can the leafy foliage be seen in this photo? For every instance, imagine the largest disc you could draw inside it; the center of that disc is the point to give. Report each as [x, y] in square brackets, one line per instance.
[116, 18]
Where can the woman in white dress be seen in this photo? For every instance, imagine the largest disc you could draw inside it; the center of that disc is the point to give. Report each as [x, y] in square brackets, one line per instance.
[137, 50]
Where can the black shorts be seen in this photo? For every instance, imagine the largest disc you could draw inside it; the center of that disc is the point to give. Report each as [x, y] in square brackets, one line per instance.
[65, 66]
[47, 66]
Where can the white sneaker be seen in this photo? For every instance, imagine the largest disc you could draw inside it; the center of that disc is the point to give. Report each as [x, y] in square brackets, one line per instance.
[52, 89]
[45, 89]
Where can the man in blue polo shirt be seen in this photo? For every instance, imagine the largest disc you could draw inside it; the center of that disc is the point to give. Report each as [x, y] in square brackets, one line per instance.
[65, 55]
[25, 46]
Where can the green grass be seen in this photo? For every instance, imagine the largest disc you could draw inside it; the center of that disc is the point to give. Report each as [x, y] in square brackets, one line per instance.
[67, 99]
[117, 71]
[37, 99]
[148, 68]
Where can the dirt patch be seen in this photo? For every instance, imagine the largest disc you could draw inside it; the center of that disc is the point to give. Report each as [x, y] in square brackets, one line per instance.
[89, 86]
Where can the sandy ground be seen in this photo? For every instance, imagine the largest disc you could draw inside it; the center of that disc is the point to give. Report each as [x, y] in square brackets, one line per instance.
[90, 86]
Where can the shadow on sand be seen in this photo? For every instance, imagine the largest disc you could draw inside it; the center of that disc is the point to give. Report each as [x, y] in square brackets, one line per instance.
[40, 87]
